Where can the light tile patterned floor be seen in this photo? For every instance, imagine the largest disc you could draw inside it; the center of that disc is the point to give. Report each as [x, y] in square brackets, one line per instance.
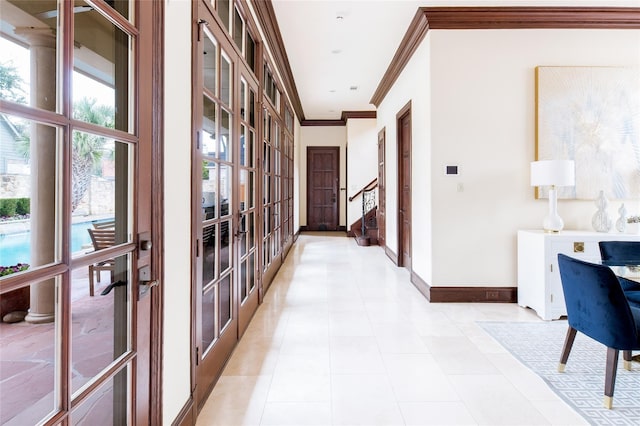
[343, 338]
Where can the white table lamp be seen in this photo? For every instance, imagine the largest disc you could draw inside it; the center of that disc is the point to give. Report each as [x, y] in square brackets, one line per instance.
[553, 173]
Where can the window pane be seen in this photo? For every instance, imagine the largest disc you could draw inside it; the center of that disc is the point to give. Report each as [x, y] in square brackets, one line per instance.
[209, 127]
[244, 188]
[243, 99]
[225, 189]
[250, 53]
[251, 272]
[225, 135]
[225, 301]
[251, 149]
[210, 64]
[243, 281]
[243, 144]
[108, 405]
[209, 242]
[100, 328]
[30, 168]
[225, 245]
[209, 190]
[100, 189]
[252, 108]
[225, 79]
[238, 28]
[251, 193]
[29, 366]
[101, 93]
[208, 318]
[31, 49]
[223, 11]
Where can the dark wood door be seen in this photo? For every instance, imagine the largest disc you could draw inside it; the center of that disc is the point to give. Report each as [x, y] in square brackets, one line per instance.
[323, 170]
[381, 219]
[404, 187]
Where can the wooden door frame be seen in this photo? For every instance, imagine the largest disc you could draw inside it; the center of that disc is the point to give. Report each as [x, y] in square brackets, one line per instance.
[405, 111]
[382, 189]
[337, 150]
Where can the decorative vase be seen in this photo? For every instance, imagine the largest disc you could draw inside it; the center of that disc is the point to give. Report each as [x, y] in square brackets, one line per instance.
[601, 221]
[621, 223]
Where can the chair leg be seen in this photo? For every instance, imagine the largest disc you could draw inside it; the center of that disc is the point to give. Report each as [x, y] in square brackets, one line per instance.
[626, 355]
[610, 376]
[91, 272]
[568, 344]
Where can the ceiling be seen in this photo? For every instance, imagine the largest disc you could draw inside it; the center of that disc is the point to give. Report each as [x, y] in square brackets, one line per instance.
[339, 50]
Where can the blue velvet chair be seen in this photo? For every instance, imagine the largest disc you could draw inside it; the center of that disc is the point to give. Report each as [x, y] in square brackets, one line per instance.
[597, 307]
[623, 253]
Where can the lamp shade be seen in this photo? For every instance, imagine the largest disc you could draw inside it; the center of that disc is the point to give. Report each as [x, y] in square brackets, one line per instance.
[553, 172]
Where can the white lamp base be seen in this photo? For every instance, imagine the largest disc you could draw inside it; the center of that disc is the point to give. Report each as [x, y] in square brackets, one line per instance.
[553, 222]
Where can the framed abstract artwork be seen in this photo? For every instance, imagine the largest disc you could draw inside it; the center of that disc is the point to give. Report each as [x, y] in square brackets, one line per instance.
[591, 115]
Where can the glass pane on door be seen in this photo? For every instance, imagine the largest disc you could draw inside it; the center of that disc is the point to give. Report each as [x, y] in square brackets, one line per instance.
[30, 197]
[30, 366]
[108, 405]
[101, 324]
[28, 46]
[101, 85]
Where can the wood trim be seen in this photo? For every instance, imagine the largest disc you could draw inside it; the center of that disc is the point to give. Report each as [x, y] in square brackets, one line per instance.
[470, 18]
[346, 115]
[464, 294]
[157, 220]
[415, 34]
[391, 255]
[308, 123]
[269, 24]
[421, 285]
[473, 294]
[186, 416]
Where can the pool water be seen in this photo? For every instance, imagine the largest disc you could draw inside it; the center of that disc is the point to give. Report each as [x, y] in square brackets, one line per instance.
[16, 248]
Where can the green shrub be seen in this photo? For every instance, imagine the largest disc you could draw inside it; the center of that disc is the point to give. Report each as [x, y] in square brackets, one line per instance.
[24, 206]
[8, 207]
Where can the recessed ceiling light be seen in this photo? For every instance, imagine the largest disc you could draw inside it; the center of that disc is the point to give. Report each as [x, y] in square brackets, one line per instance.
[339, 18]
[332, 91]
[336, 51]
[353, 88]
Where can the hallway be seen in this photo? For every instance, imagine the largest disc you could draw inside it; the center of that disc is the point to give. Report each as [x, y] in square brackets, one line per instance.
[344, 338]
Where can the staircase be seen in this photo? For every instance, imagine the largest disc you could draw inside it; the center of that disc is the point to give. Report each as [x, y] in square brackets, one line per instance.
[365, 229]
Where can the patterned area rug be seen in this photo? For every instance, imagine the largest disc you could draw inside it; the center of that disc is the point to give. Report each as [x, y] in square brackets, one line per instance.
[539, 345]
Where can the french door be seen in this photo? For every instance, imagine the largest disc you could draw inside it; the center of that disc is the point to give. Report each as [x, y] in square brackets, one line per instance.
[225, 215]
[80, 357]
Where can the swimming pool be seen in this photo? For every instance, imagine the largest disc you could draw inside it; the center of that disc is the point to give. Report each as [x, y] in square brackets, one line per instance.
[16, 248]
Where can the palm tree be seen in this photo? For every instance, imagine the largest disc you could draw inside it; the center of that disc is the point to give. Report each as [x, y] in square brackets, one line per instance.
[87, 149]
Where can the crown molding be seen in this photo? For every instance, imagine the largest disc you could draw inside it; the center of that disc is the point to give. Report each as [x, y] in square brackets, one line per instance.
[474, 18]
[346, 115]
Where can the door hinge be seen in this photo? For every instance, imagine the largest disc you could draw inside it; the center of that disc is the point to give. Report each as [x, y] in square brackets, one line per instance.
[200, 23]
[197, 355]
[551, 267]
[197, 248]
[197, 140]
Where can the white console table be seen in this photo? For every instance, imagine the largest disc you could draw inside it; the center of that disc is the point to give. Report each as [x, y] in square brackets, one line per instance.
[539, 285]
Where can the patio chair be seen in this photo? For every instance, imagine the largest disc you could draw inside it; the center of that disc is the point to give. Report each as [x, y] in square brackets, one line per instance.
[598, 308]
[101, 239]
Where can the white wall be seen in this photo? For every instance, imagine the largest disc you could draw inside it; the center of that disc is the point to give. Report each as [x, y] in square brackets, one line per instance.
[321, 136]
[413, 85]
[177, 212]
[362, 163]
[473, 100]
